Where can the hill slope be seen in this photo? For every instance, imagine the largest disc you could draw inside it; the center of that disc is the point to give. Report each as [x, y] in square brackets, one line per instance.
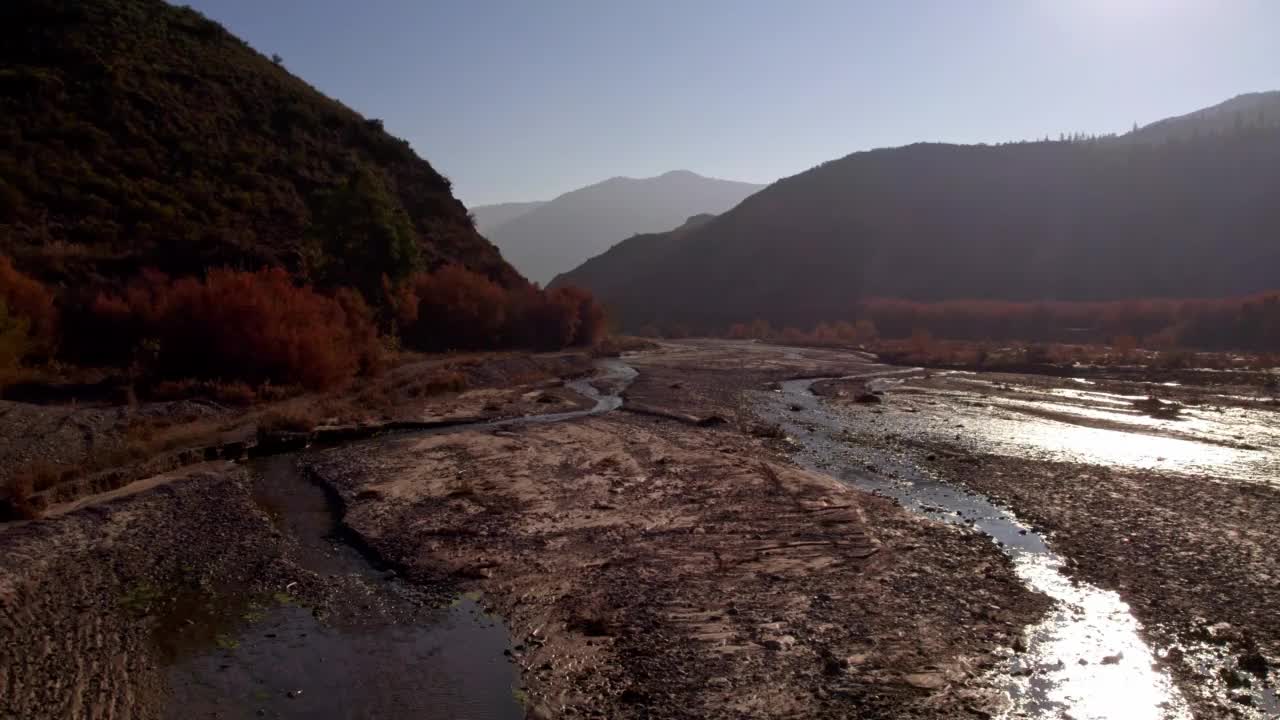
[612, 270]
[135, 133]
[580, 224]
[490, 217]
[1261, 109]
[1113, 218]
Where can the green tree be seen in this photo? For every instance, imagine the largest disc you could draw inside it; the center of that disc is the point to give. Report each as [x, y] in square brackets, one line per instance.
[361, 233]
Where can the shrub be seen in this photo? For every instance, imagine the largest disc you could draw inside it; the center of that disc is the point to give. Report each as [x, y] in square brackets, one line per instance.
[29, 322]
[233, 393]
[249, 327]
[278, 421]
[456, 309]
[441, 381]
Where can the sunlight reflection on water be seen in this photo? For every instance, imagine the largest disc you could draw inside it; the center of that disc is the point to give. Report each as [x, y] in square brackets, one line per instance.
[1085, 660]
[1089, 661]
[1232, 443]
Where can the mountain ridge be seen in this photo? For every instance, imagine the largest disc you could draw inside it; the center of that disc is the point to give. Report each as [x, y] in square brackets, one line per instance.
[1086, 219]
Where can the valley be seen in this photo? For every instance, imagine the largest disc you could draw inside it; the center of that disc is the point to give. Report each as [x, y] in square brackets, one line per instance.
[698, 535]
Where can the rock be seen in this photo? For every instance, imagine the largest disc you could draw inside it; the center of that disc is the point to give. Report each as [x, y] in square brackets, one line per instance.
[782, 642]
[1223, 632]
[867, 398]
[925, 681]
[1113, 659]
[1233, 679]
[1253, 663]
[718, 681]
[795, 408]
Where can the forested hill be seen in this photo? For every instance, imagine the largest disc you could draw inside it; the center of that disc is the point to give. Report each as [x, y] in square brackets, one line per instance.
[1192, 213]
[136, 133]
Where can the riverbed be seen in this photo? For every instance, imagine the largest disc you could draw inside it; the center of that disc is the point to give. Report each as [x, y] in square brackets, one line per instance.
[924, 438]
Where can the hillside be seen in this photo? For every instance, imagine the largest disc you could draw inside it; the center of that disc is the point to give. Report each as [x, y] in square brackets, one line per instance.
[1261, 109]
[1105, 219]
[562, 233]
[612, 270]
[489, 217]
[135, 133]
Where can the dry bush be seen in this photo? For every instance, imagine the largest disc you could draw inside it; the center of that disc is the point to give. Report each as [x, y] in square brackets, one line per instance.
[294, 420]
[233, 393]
[443, 381]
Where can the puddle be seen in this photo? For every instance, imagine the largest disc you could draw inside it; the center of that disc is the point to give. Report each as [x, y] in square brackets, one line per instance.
[1086, 660]
[288, 664]
[378, 654]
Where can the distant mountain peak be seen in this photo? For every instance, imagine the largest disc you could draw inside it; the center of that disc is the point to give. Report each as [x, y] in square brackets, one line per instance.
[559, 235]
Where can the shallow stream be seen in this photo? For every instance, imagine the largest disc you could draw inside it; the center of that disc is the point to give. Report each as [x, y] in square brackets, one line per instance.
[379, 651]
[1087, 660]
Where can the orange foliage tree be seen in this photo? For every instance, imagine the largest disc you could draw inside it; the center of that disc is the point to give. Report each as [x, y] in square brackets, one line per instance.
[456, 309]
[253, 327]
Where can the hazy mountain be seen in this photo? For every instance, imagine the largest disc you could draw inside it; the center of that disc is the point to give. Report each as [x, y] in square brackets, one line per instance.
[489, 217]
[1168, 211]
[562, 233]
[138, 133]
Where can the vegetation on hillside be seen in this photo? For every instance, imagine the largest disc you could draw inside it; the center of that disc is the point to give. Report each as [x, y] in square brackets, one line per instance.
[181, 211]
[1248, 323]
[1191, 215]
[137, 134]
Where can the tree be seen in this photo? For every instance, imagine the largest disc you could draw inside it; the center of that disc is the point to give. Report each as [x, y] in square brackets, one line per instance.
[361, 233]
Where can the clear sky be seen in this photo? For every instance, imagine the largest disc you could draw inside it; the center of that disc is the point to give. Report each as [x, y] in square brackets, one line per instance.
[525, 99]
